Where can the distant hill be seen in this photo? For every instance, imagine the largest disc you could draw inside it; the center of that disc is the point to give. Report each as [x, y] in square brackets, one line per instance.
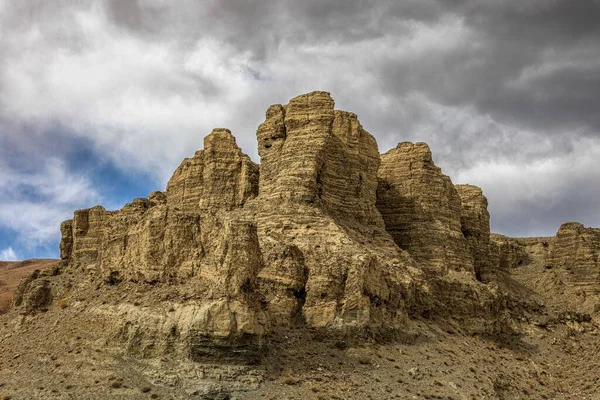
[12, 272]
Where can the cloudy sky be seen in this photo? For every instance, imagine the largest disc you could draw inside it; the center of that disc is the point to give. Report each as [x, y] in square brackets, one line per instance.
[100, 101]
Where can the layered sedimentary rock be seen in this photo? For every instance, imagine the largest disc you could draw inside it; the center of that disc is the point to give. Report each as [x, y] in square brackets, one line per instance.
[506, 252]
[322, 238]
[218, 177]
[312, 154]
[576, 251]
[475, 223]
[236, 254]
[422, 209]
[564, 269]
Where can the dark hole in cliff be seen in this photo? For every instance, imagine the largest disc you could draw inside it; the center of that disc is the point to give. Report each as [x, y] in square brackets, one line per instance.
[545, 244]
[376, 300]
[268, 146]
[466, 232]
[264, 303]
[173, 332]
[300, 295]
[478, 274]
[358, 189]
[246, 286]
[114, 278]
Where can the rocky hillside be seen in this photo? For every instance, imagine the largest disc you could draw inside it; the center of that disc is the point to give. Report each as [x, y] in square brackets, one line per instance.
[328, 259]
[13, 272]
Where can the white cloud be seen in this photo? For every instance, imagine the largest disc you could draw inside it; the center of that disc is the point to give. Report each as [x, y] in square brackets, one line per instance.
[145, 96]
[35, 203]
[538, 189]
[146, 104]
[8, 254]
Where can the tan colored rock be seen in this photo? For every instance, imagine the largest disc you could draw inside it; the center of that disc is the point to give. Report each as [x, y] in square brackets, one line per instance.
[66, 239]
[328, 260]
[155, 245]
[292, 144]
[421, 209]
[218, 177]
[34, 293]
[564, 269]
[235, 254]
[475, 222]
[88, 227]
[506, 252]
[313, 154]
[576, 250]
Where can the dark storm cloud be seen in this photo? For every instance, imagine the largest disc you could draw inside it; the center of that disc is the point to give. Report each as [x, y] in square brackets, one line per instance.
[505, 92]
[533, 63]
[545, 60]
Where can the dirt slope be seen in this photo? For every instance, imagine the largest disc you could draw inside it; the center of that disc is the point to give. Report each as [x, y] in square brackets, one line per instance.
[12, 272]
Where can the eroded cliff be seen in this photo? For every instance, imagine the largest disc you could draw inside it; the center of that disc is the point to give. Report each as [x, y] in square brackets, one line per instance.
[324, 234]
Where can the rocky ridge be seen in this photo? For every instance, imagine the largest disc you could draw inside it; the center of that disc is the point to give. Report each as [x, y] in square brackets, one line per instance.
[563, 268]
[325, 233]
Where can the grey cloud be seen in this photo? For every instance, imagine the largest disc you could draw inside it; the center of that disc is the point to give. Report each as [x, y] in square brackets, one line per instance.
[513, 82]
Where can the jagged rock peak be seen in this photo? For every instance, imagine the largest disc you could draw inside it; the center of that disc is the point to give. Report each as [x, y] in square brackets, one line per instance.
[475, 222]
[422, 209]
[313, 154]
[302, 241]
[220, 176]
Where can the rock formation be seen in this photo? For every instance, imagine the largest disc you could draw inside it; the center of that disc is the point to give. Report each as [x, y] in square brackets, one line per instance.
[218, 177]
[564, 269]
[422, 209]
[475, 223]
[322, 246]
[327, 235]
[506, 252]
[575, 252]
[317, 219]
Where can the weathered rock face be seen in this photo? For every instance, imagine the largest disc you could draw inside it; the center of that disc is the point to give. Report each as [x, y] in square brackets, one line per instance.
[506, 252]
[218, 177]
[564, 269]
[475, 222]
[576, 250]
[236, 254]
[312, 154]
[422, 209]
[323, 241]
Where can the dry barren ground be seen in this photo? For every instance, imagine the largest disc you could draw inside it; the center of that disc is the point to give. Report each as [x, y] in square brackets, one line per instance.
[63, 354]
